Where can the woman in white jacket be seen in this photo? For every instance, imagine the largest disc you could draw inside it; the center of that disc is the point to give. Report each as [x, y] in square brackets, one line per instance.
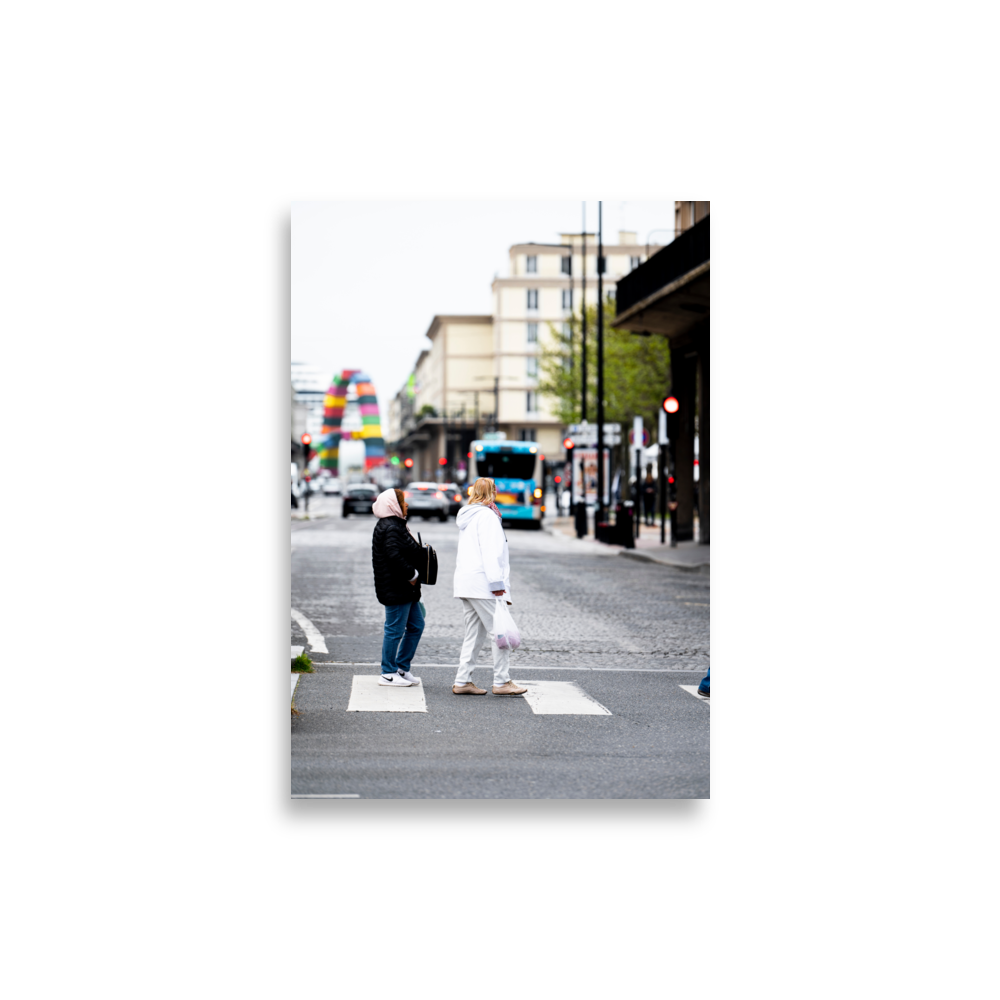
[482, 574]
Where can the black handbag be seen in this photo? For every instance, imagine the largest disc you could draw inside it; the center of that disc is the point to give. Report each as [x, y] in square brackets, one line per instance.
[430, 572]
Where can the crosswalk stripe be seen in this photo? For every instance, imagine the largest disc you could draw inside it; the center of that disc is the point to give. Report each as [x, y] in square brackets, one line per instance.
[295, 680]
[367, 695]
[560, 698]
[693, 689]
[316, 643]
[489, 666]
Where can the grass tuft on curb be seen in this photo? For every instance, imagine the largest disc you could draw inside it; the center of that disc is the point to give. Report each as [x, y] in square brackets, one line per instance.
[302, 665]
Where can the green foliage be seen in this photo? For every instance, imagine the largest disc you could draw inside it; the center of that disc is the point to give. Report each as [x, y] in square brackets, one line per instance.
[636, 373]
[302, 665]
[426, 411]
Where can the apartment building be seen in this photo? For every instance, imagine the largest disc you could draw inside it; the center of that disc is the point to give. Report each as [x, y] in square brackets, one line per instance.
[481, 373]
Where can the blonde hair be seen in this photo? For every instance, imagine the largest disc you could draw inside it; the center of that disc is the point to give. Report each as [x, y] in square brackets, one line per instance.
[483, 491]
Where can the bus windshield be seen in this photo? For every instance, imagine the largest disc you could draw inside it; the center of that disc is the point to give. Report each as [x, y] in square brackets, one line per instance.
[505, 465]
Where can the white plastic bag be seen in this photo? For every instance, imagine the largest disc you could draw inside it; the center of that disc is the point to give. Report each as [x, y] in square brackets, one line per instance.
[505, 633]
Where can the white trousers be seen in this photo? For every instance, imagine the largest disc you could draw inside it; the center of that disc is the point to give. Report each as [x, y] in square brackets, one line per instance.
[479, 629]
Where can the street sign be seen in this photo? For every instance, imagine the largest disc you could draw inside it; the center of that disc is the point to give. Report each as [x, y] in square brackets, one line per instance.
[575, 429]
[586, 434]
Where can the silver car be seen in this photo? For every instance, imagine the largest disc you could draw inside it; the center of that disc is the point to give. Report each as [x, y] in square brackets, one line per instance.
[427, 500]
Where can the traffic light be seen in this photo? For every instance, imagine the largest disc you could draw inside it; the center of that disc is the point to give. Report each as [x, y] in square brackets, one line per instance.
[408, 462]
[569, 444]
[394, 460]
[670, 404]
[306, 440]
[558, 479]
[442, 460]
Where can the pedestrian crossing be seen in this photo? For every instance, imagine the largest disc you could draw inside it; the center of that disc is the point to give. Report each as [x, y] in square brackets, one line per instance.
[693, 689]
[561, 698]
[367, 695]
[542, 697]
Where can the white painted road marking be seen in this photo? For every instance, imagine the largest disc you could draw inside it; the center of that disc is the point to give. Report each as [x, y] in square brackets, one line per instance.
[560, 698]
[295, 680]
[693, 689]
[350, 795]
[488, 666]
[315, 640]
[367, 695]
[297, 651]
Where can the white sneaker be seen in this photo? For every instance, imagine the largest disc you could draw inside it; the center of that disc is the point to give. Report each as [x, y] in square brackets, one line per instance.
[408, 676]
[395, 681]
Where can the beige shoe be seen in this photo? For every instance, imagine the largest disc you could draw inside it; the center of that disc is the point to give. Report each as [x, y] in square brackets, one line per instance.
[469, 688]
[509, 688]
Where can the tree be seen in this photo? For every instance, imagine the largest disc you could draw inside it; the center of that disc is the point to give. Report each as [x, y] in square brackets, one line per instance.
[636, 374]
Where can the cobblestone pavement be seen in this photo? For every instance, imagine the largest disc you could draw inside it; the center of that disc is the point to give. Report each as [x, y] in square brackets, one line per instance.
[573, 604]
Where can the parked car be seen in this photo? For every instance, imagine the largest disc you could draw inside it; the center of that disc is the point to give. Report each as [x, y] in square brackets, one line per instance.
[331, 486]
[455, 496]
[427, 500]
[358, 500]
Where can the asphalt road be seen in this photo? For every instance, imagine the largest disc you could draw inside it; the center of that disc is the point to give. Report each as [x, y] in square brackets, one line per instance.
[627, 633]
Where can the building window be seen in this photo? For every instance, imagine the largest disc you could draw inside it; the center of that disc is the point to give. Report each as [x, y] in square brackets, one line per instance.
[531, 402]
[532, 333]
[531, 265]
[532, 298]
[567, 298]
[610, 296]
[633, 263]
[526, 434]
[566, 265]
[567, 331]
[532, 367]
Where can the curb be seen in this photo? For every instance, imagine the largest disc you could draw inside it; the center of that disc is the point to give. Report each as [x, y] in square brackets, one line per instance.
[702, 567]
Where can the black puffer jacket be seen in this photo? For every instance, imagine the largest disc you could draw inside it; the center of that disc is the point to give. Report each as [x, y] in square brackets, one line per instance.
[395, 555]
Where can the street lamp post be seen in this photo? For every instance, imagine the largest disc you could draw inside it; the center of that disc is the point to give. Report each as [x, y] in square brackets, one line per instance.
[600, 366]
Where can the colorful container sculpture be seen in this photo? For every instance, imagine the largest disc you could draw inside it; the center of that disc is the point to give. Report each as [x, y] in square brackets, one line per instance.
[333, 415]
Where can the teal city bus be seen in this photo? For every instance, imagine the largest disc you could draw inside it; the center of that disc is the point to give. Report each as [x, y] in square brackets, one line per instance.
[513, 466]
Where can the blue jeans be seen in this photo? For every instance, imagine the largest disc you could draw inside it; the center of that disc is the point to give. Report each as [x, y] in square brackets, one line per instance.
[402, 622]
[703, 687]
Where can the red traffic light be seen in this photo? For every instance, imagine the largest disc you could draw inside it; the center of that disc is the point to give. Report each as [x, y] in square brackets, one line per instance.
[671, 405]
[307, 439]
[568, 444]
[408, 462]
[442, 460]
[558, 479]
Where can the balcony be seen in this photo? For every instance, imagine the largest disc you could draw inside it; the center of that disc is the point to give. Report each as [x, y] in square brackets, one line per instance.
[671, 290]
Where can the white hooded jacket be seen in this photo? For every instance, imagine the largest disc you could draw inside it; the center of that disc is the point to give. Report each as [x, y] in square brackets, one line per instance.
[483, 563]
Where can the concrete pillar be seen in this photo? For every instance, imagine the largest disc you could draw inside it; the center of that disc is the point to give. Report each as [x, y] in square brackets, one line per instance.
[684, 372]
[704, 408]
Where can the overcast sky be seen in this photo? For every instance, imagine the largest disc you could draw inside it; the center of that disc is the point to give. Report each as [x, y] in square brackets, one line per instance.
[368, 277]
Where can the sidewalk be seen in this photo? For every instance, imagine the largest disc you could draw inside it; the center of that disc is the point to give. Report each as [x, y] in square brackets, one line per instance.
[691, 556]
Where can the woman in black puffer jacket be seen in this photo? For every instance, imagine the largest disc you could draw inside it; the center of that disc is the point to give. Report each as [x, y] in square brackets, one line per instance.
[395, 558]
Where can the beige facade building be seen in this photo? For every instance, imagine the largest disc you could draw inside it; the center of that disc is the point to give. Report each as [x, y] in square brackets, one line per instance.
[687, 213]
[481, 372]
